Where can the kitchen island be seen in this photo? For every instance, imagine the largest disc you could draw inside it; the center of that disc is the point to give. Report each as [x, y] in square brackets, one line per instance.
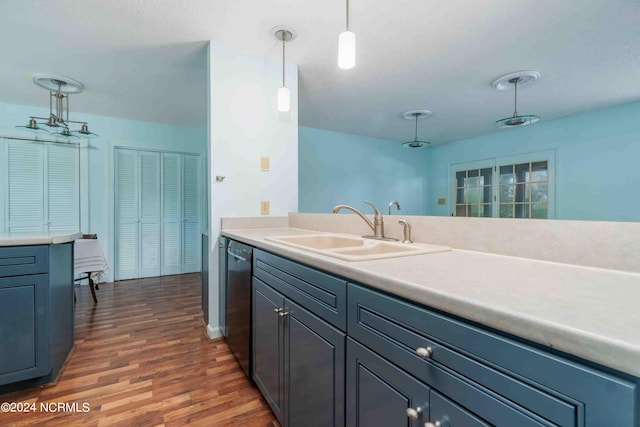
[512, 341]
[36, 307]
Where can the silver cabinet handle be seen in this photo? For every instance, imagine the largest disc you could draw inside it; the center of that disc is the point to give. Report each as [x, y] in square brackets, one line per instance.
[277, 310]
[238, 257]
[283, 313]
[424, 353]
[436, 424]
[414, 414]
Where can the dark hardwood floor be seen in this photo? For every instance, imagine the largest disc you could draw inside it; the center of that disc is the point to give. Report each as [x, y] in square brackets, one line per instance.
[142, 358]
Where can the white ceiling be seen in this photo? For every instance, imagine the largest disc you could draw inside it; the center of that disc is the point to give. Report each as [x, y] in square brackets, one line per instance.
[146, 59]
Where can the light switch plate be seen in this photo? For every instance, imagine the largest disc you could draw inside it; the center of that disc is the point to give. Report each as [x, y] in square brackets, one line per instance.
[264, 207]
[441, 201]
[264, 163]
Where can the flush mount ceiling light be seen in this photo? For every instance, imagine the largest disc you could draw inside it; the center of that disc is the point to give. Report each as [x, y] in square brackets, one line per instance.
[59, 90]
[415, 115]
[284, 35]
[520, 78]
[347, 47]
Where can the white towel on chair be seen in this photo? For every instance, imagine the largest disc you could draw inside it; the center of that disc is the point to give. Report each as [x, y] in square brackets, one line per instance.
[89, 258]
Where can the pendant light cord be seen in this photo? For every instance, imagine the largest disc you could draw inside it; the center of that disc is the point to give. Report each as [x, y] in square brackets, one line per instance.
[347, 15]
[515, 98]
[415, 138]
[284, 36]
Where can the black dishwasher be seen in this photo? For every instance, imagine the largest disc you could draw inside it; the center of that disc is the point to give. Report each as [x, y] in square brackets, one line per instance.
[238, 310]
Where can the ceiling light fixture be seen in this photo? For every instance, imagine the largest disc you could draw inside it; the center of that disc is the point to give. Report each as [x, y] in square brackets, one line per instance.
[415, 115]
[59, 90]
[347, 47]
[284, 97]
[520, 78]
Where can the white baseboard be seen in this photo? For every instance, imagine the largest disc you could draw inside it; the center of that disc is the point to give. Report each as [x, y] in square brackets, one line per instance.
[213, 332]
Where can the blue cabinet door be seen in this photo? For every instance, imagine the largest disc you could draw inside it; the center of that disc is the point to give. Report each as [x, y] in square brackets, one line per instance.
[314, 356]
[24, 329]
[379, 394]
[267, 338]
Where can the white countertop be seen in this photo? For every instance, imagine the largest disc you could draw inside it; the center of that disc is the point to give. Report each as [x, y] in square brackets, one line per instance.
[588, 312]
[22, 239]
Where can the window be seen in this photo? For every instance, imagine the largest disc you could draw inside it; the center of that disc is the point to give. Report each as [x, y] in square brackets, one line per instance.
[524, 190]
[474, 192]
[508, 187]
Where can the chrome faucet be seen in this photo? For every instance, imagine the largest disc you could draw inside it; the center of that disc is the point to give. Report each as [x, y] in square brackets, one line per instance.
[393, 202]
[377, 226]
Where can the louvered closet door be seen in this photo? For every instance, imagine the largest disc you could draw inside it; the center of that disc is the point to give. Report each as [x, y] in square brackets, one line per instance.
[191, 240]
[63, 191]
[171, 214]
[25, 187]
[126, 213]
[149, 214]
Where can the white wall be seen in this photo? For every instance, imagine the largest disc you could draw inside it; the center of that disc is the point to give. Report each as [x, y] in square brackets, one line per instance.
[244, 126]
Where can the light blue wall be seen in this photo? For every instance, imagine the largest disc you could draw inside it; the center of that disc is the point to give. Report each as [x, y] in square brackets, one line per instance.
[338, 168]
[113, 132]
[597, 158]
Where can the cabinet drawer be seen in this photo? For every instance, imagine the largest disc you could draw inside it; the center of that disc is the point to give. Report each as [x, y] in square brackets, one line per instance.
[550, 388]
[23, 260]
[322, 294]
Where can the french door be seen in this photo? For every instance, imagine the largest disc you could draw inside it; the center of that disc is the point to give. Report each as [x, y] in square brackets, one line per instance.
[157, 213]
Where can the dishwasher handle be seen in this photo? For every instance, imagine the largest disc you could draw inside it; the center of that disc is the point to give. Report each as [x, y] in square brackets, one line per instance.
[238, 257]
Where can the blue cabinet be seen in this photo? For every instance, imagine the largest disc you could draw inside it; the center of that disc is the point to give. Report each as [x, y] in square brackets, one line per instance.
[36, 313]
[298, 356]
[409, 365]
[24, 331]
[267, 337]
[380, 394]
[498, 379]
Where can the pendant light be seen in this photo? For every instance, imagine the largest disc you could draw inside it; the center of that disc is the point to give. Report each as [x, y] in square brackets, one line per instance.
[514, 80]
[347, 47]
[415, 115]
[60, 88]
[284, 97]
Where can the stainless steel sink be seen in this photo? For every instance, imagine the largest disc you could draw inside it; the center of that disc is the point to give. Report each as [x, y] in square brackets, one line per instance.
[353, 248]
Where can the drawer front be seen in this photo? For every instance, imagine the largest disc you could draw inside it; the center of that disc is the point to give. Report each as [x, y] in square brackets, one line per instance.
[547, 387]
[322, 294]
[23, 260]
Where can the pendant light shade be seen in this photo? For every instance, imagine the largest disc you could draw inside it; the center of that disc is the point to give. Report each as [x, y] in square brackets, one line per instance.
[515, 80]
[415, 115]
[347, 50]
[347, 47]
[284, 96]
[32, 126]
[84, 132]
[284, 99]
